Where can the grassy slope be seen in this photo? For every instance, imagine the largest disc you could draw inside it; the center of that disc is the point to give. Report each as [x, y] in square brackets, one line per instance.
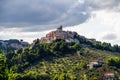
[73, 64]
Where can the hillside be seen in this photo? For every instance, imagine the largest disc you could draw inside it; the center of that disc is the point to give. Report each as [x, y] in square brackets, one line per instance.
[74, 66]
[79, 58]
[62, 61]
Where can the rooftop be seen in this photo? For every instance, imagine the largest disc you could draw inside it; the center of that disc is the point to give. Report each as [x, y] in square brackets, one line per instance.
[109, 74]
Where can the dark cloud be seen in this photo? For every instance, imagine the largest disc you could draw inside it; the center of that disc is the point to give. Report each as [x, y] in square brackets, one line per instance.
[38, 28]
[43, 13]
[111, 5]
[111, 36]
[33, 15]
[27, 12]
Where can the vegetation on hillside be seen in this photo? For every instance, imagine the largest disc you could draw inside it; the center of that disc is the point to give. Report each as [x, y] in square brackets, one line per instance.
[98, 44]
[60, 61]
[3, 67]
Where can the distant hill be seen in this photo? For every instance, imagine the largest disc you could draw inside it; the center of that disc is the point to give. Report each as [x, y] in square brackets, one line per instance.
[12, 44]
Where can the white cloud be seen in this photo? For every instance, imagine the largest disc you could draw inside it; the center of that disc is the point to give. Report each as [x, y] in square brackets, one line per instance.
[100, 25]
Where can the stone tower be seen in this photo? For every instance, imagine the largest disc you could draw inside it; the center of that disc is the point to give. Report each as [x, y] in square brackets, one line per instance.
[60, 28]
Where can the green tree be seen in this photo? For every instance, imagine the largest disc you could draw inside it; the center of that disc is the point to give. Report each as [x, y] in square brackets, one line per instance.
[113, 61]
[3, 67]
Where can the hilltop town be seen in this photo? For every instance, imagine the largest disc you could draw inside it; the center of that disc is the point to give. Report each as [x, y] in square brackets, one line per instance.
[68, 36]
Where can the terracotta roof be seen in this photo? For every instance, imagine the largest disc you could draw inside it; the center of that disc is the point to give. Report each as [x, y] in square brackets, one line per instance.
[94, 63]
[109, 74]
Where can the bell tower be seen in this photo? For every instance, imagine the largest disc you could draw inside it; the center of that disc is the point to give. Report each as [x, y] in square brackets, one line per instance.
[60, 28]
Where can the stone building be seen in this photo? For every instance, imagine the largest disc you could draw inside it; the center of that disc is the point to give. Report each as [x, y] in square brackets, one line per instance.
[59, 34]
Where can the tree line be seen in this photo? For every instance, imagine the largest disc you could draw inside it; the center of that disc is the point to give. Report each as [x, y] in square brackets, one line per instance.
[98, 44]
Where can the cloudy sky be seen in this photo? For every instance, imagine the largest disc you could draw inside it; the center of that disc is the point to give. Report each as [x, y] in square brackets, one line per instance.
[31, 19]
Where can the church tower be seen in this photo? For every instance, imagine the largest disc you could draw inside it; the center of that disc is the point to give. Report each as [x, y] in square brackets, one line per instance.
[60, 28]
